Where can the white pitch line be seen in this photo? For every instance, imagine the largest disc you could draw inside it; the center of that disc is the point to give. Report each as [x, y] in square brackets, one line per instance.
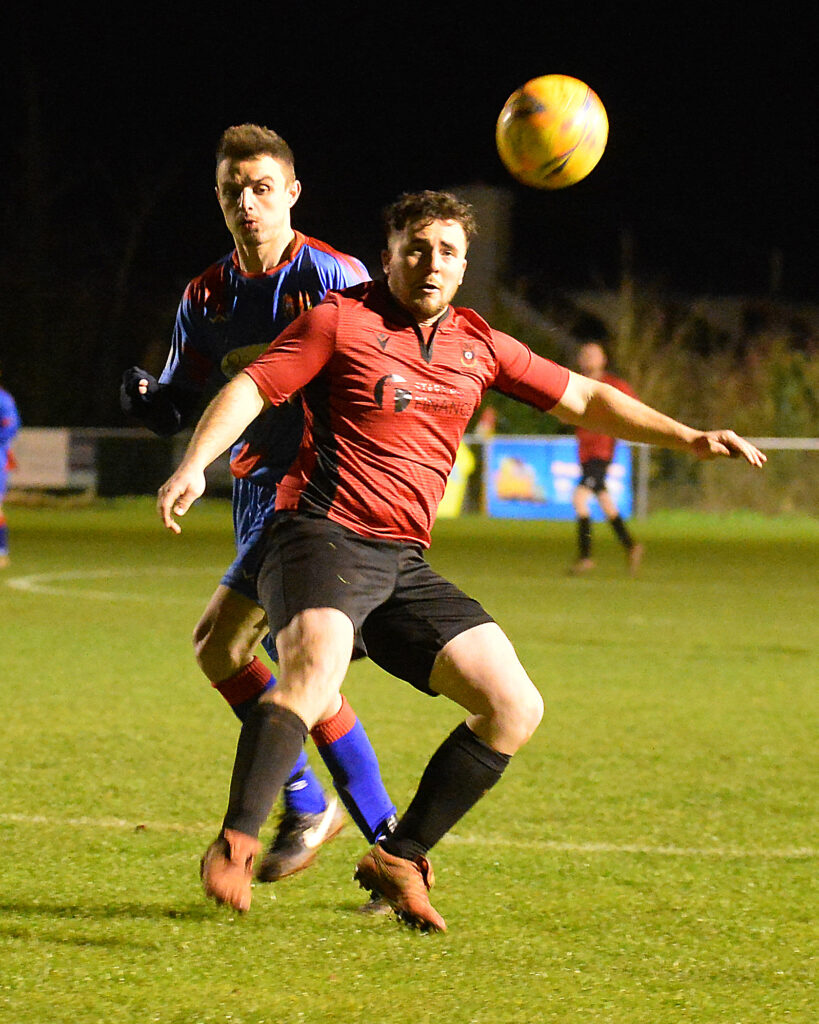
[544, 845]
[718, 852]
[101, 823]
[49, 583]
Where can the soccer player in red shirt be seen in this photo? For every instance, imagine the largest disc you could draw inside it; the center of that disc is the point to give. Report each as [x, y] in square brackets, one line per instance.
[594, 452]
[390, 374]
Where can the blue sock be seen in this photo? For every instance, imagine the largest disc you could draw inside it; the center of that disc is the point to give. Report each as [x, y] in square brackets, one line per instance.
[346, 750]
[302, 793]
[4, 537]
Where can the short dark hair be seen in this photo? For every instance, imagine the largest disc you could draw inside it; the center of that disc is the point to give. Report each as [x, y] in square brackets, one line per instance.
[427, 206]
[245, 141]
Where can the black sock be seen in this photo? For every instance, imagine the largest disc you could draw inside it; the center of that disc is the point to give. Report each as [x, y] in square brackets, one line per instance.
[269, 744]
[621, 530]
[460, 771]
[584, 536]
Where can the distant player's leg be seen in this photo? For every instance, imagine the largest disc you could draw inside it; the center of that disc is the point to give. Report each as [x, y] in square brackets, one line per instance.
[634, 550]
[581, 500]
[4, 530]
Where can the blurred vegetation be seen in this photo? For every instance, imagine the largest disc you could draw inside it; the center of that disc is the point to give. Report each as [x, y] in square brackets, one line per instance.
[749, 364]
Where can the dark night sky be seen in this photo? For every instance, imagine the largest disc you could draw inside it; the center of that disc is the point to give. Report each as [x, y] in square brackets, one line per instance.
[712, 153]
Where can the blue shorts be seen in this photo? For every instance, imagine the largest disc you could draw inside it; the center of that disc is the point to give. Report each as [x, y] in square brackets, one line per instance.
[4, 479]
[253, 507]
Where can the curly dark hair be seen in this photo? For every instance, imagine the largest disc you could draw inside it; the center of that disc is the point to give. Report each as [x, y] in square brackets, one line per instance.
[427, 206]
[246, 141]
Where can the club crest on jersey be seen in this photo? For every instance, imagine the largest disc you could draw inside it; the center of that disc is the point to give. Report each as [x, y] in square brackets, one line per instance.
[467, 353]
[293, 305]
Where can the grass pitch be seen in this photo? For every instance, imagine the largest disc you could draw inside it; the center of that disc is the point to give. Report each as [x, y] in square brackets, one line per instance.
[650, 856]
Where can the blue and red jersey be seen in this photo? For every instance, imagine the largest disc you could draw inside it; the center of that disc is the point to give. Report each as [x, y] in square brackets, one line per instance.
[9, 425]
[227, 318]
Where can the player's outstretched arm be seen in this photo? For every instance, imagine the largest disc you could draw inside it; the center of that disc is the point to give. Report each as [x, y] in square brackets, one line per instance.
[223, 421]
[606, 410]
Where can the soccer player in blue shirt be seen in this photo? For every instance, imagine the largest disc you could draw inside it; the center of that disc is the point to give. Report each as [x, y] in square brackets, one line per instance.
[9, 425]
[228, 315]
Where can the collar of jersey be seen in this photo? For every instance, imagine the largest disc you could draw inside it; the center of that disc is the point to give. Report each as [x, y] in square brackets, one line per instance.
[298, 241]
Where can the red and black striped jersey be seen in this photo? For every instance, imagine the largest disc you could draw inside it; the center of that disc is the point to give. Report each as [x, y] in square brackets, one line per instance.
[386, 405]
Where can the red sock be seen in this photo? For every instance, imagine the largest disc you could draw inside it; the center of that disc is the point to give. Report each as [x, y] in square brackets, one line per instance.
[334, 728]
[245, 684]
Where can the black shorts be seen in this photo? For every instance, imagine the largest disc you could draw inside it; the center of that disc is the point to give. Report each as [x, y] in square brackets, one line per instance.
[403, 610]
[593, 474]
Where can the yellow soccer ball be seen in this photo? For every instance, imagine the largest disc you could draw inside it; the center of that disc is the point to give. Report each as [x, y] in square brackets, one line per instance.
[552, 132]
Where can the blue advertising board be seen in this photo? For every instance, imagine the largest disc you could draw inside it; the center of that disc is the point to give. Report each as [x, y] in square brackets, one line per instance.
[534, 478]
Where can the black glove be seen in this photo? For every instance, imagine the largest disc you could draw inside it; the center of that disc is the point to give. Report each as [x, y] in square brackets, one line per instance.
[164, 408]
[131, 401]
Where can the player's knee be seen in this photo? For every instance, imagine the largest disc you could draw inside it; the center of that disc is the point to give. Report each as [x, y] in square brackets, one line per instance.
[209, 663]
[199, 639]
[518, 712]
[217, 658]
[203, 645]
[529, 714]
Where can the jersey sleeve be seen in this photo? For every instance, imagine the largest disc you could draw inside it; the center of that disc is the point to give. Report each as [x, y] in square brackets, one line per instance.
[336, 270]
[345, 272]
[183, 379]
[298, 354]
[526, 376]
[188, 366]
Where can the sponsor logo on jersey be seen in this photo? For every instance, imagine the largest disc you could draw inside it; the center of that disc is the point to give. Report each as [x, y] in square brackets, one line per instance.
[237, 359]
[401, 397]
[395, 392]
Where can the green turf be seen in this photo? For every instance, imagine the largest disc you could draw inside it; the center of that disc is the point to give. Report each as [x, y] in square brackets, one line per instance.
[651, 856]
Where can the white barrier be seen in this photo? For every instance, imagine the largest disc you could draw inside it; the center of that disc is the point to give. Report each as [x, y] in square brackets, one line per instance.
[48, 459]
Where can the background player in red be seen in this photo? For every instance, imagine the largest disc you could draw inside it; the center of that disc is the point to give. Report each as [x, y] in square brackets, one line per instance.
[9, 425]
[390, 374]
[595, 452]
[228, 315]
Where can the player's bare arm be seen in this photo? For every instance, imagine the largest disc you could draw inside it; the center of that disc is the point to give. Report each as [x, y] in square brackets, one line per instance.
[606, 410]
[223, 421]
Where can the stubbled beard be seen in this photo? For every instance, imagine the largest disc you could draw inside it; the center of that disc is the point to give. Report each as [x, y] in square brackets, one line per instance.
[430, 307]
